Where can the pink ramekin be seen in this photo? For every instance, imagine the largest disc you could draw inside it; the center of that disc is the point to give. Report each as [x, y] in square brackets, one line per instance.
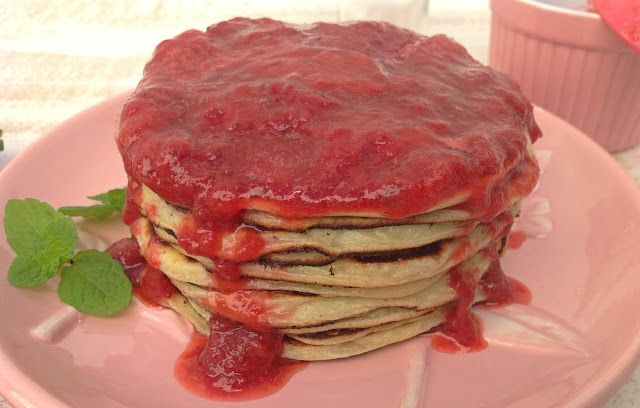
[569, 62]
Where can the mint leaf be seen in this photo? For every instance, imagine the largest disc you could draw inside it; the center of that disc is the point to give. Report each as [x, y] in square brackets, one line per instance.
[43, 239]
[95, 283]
[94, 211]
[1, 141]
[34, 226]
[32, 270]
[113, 200]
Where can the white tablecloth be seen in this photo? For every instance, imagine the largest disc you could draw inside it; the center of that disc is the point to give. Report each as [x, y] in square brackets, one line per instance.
[60, 57]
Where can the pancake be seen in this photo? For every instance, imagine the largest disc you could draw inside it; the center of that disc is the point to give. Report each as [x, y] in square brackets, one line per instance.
[298, 350]
[349, 331]
[385, 270]
[338, 187]
[343, 338]
[278, 309]
[373, 318]
[182, 305]
[267, 222]
[346, 343]
[326, 241]
[247, 283]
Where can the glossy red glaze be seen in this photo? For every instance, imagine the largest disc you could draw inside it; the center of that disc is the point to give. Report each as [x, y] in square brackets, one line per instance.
[155, 286]
[153, 250]
[228, 286]
[228, 270]
[497, 228]
[502, 290]
[238, 353]
[131, 211]
[226, 381]
[150, 210]
[461, 330]
[321, 119]
[150, 285]
[241, 306]
[227, 277]
[226, 240]
[516, 239]
[127, 252]
[468, 330]
[306, 121]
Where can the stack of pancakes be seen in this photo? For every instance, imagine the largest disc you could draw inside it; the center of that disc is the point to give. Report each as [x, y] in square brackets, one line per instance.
[336, 286]
[369, 162]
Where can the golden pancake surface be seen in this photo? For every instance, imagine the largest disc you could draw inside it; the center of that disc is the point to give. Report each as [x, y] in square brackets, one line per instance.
[334, 286]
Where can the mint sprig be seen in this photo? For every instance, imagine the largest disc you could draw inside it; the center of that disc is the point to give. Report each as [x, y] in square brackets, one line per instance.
[1, 141]
[94, 283]
[111, 201]
[44, 241]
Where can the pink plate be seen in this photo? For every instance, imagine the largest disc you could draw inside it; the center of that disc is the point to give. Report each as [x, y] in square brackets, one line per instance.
[572, 347]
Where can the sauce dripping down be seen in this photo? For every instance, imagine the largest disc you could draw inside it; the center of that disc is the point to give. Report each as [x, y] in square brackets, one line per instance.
[276, 101]
[461, 332]
[227, 240]
[150, 285]
[236, 363]
[227, 277]
[131, 211]
[241, 358]
[516, 239]
[502, 290]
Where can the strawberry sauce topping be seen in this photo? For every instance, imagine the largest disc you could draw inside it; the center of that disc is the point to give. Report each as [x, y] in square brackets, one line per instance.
[150, 285]
[241, 358]
[307, 121]
[303, 121]
[126, 252]
[502, 290]
[461, 331]
[516, 239]
[236, 363]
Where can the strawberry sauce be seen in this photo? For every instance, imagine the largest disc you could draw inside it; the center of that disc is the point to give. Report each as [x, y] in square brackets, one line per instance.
[150, 285]
[311, 120]
[461, 331]
[228, 277]
[126, 252]
[307, 121]
[241, 358]
[234, 364]
[502, 290]
[516, 239]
